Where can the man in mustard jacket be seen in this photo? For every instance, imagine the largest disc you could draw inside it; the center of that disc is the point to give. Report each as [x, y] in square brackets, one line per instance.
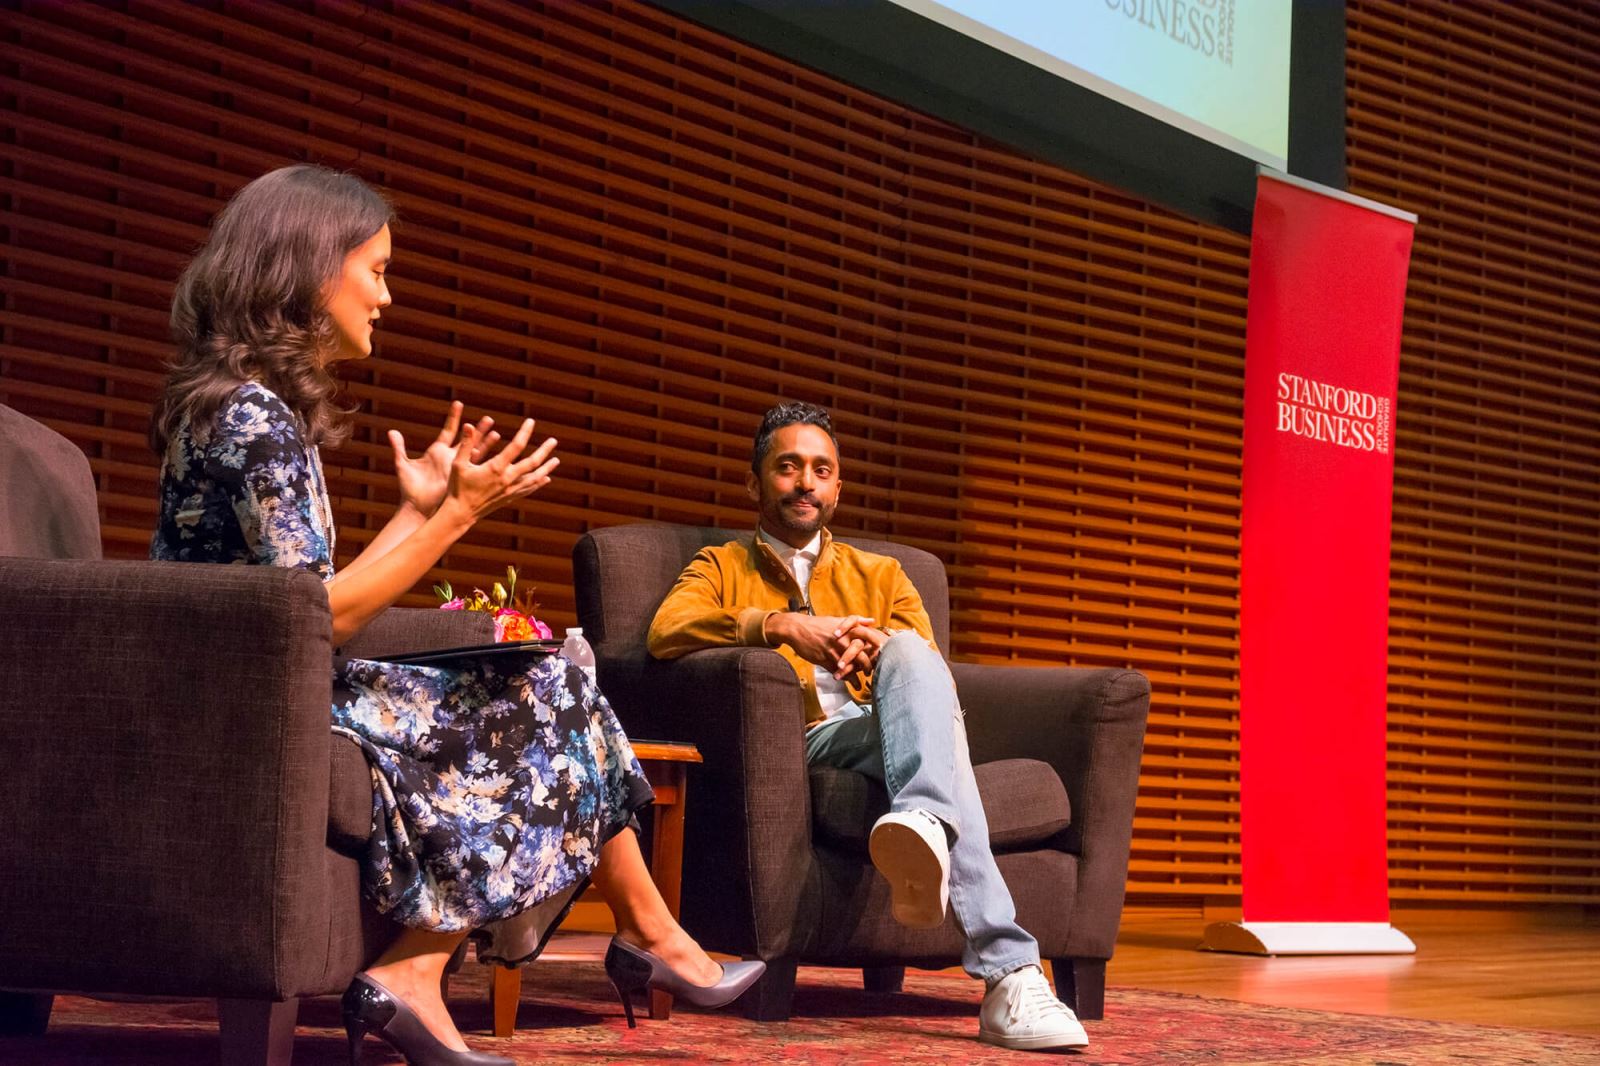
[879, 700]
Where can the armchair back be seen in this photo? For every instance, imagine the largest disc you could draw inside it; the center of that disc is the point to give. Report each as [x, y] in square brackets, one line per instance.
[48, 508]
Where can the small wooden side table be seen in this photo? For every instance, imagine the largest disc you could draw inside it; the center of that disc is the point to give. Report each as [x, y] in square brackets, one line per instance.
[666, 766]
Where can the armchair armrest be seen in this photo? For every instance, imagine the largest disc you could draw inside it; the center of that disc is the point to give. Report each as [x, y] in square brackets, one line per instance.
[748, 824]
[1089, 725]
[402, 630]
[167, 734]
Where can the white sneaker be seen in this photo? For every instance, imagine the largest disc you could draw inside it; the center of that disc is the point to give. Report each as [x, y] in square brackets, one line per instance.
[910, 850]
[1020, 1012]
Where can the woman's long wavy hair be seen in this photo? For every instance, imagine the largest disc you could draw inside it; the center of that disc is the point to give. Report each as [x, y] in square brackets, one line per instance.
[249, 307]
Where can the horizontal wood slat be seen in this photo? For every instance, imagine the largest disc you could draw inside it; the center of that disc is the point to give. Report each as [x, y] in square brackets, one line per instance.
[642, 233]
[1446, 120]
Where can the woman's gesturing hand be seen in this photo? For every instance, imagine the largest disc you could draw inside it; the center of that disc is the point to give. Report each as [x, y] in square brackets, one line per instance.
[479, 487]
[425, 479]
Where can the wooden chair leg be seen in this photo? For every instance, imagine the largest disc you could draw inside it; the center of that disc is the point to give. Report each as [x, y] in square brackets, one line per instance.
[505, 992]
[883, 978]
[1081, 985]
[257, 1032]
[25, 1013]
[771, 999]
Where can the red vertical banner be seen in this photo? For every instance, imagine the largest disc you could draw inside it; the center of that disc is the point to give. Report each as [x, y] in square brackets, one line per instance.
[1322, 347]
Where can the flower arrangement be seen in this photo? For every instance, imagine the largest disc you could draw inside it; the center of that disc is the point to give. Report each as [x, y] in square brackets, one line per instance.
[513, 617]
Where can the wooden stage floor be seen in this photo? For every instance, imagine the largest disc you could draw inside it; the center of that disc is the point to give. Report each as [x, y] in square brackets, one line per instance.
[1529, 969]
[1526, 969]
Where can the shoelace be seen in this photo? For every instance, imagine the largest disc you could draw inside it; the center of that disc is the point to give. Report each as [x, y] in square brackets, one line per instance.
[1031, 998]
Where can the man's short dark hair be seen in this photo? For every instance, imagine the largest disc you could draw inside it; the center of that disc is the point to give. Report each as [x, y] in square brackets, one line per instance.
[797, 413]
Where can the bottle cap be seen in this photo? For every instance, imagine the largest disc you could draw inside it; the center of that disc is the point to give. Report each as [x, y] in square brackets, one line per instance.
[576, 631]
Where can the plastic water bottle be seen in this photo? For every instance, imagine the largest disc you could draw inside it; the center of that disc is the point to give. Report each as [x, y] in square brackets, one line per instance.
[578, 652]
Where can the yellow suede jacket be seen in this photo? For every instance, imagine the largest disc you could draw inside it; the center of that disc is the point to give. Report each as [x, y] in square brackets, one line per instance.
[725, 595]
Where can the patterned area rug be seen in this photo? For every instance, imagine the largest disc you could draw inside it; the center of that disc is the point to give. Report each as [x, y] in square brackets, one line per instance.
[569, 1014]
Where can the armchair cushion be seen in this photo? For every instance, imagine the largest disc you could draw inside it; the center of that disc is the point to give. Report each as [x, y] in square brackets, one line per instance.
[1023, 799]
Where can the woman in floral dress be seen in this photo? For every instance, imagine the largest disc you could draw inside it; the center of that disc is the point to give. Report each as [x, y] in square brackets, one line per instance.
[501, 785]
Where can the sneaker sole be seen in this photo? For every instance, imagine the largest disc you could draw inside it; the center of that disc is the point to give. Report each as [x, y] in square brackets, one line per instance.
[915, 877]
[1032, 1043]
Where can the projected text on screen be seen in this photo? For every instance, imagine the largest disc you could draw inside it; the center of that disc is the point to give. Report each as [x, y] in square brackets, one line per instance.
[1216, 68]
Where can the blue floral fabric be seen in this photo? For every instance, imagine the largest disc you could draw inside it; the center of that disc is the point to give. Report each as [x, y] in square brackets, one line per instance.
[495, 780]
[252, 493]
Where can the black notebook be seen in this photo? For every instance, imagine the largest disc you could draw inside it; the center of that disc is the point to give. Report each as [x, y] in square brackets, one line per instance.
[474, 651]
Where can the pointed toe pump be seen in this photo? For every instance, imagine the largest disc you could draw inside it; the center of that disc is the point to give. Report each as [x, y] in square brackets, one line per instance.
[371, 1008]
[633, 969]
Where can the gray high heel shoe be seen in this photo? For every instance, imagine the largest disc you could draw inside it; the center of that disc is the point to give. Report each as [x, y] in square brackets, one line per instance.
[371, 1008]
[632, 969]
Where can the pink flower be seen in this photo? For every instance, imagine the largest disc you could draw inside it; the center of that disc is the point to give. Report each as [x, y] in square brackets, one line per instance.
[457, 604]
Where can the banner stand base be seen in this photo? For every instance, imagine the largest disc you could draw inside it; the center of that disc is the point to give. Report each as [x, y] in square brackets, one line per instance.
[1307, 938]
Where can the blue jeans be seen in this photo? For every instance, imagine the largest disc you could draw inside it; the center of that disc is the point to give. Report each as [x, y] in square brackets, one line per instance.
[913, 739]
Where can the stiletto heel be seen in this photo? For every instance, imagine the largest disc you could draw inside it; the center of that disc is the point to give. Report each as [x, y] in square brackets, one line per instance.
[354, 1031]
[629, 973]
[633, 968]
[371, 1008]
[361, 1015]
[626, 995]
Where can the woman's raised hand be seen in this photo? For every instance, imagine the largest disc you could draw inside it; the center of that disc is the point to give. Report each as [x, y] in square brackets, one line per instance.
[425, 479]
[479, 487]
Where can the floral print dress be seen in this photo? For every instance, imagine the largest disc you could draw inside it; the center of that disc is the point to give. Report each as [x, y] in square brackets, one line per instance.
[495, 781]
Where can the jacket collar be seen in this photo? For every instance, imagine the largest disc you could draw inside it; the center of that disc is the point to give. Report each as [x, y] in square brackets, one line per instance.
[766, 560]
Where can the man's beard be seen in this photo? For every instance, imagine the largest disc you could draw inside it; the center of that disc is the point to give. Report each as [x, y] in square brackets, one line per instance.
[786, 518]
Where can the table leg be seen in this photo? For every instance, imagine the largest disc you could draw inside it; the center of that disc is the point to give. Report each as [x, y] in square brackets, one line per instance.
[666, 858]
[504, 994]
[666, 864]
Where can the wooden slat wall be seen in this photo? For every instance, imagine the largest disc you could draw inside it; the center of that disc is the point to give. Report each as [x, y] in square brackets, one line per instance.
[1484, 118]
[641, 233]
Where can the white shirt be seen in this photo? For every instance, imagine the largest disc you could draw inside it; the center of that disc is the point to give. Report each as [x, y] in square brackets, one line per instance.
[831, 693]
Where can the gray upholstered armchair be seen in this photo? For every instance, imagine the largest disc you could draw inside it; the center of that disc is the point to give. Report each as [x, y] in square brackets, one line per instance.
[180, 819]
[775, 857]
